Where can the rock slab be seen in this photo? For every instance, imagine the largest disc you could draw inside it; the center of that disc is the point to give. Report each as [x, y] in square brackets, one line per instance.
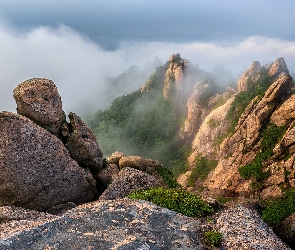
[120, 224]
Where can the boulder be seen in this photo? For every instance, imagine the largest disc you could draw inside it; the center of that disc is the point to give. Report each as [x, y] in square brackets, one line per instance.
[286, 230]
[115, 157]
[128, 180]
[39, 100]
[243, 228]
[138, 162]
[119, 224]
[83, 146]
[36, 170]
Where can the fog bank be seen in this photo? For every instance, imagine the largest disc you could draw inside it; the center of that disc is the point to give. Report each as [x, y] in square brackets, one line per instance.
[80, 67]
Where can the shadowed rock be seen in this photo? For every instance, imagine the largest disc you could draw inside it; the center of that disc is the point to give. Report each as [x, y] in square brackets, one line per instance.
[39, 100]
[83, 146]
[36, 170]
[129, 180]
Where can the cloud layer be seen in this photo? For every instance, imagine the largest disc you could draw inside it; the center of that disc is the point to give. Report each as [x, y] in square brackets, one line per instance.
[79, 67]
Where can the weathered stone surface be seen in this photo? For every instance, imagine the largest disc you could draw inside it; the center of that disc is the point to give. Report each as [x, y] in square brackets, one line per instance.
[250, 75]
[115, 157]
[128, 180]
[39, 100]
[286, 230]
[120, 224]
[242, 228]
[137, 162]
[106, 176]
[243, 145]
[83, 146]
[285, 113]
[277, 67]
[36, 170]
[17, 219]
[271, 193]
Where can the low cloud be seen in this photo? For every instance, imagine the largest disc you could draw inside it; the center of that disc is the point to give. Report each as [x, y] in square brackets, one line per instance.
[80, 67]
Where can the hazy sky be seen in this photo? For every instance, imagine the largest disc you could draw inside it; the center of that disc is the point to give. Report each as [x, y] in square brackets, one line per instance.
[79, 43]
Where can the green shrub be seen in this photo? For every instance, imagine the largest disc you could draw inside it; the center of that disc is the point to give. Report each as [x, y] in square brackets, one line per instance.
[178, 200]
[219, 102]
[224, 200]
[276, 211]
[213, 238]
[201, 170]
[167, 176]
[270, 136]
[213, 123]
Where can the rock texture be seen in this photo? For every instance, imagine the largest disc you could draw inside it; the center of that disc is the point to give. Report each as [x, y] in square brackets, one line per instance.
[39, 100]
[243, 145]
[252, 74]
[120, 224]
[286, 230]
[83, 146]
[128, 180]
[242, 228]
[36, 170]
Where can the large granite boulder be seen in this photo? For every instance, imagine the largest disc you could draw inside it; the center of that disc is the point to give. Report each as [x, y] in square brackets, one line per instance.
[36, 170]
[243, 229]
[39, 100]
[128, 180]
[82, 145]
[119, 224]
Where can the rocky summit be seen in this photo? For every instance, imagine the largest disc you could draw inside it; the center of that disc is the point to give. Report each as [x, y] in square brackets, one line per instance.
[236, 141]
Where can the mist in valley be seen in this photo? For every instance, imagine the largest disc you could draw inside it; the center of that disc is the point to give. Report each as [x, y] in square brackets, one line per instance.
[85, 73]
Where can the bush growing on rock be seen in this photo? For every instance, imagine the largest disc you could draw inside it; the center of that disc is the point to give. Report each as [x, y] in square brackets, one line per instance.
[175, 199]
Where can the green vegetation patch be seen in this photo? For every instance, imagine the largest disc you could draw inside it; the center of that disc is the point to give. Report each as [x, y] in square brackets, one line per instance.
[276, 211]
[213, 238]
[213, 123]
[270, 137]
[178, 200]
[167, 176]
[201, 170]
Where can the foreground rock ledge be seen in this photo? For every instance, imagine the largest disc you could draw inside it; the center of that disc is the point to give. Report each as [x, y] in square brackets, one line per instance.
[119, 224]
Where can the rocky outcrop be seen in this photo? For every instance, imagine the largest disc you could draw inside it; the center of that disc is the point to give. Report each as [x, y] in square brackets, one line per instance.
[242, 147]
[128, 180]
[39, 100]
[174, 78]
[36, 170]
[82, 145]
[286, 230]
[277, 67]
[252, 74]
[284, 114]
[242, 228]
[119, 224]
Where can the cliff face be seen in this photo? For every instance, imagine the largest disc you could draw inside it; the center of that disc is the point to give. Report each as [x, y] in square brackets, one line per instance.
[256, 157]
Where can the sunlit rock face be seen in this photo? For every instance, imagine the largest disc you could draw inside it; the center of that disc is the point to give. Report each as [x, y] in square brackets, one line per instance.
[250, 74]
[241, 148]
